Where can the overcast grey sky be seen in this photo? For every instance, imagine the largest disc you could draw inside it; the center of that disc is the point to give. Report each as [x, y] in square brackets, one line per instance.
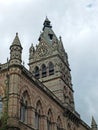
[77, 22]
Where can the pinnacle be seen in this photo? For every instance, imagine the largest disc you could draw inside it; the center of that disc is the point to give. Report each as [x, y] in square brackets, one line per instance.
[46, 19]
[16, 40]
[93, 122]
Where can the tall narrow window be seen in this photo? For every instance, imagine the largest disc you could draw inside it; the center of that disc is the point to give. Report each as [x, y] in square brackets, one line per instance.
[38, 115]
[24, 108]
[49, 120]
[59, 124]
[37, 120]
[48, 125]
[44, 70]
[51, 68]
[0, 104]
[36, 72]
[69, 126]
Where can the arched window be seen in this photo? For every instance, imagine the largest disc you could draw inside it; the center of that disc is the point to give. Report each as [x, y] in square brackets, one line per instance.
[36, 72]
[69, 126]
[51, 68]
[44, 70]
[38, 115]
[49, 120]
[59, 123]
[0, 104]
[24, 107]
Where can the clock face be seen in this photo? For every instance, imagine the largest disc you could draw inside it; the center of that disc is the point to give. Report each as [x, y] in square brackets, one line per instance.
[42, 51]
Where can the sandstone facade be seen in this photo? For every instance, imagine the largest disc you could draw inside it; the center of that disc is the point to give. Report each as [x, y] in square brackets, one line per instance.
[40, 98]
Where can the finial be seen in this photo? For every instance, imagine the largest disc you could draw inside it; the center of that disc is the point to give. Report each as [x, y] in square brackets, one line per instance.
[93, 121]
[16, 33]
[46, 19]
[60, 38]
[47, 23]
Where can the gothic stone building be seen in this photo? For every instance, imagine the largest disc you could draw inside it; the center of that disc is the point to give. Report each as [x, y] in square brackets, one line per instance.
[40, 98]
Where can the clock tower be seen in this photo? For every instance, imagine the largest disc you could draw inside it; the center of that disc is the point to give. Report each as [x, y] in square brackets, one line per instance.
[48, 62]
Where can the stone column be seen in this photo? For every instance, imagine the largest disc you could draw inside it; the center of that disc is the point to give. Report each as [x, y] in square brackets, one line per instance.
[33, 117]
[30, 116]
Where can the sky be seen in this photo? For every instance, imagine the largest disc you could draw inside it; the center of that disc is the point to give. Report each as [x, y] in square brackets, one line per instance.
[77, 22]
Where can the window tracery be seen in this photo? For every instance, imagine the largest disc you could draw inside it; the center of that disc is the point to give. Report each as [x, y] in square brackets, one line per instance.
[59, 123]
[24, 107]
[38, 115]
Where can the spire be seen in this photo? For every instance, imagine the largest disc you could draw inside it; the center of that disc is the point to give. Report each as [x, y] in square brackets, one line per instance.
[93, 124]
[15, 51]
[47, 23]
[16, 40]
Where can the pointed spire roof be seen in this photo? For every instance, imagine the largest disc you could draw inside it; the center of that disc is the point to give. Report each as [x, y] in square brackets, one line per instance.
[93, 123]
[16, 40]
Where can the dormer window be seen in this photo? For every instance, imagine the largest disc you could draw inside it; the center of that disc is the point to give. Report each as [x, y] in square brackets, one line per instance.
[50, 36]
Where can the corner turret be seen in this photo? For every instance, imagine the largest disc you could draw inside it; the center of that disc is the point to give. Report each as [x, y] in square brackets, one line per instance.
[16, 51]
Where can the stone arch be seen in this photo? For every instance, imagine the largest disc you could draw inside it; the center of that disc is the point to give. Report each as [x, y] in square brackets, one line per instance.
[59, 123]
[59, 114]
[25, 101]
[38, 113]
[50, 114]
[26, 89]
[50, 109]
[39, 107]
[50, 119]
[39, 99]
